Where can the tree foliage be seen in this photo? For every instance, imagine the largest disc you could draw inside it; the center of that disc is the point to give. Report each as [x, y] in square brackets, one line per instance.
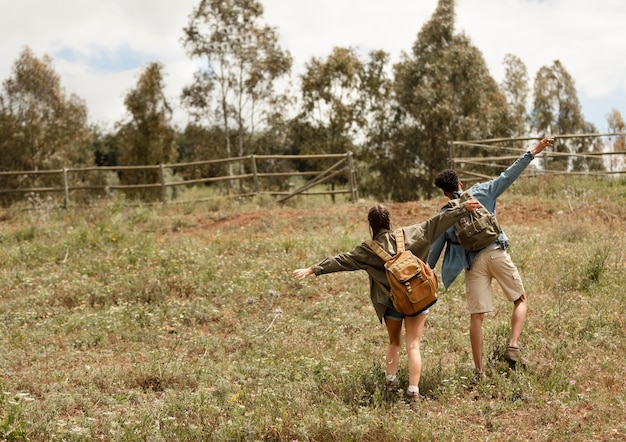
[616, 124]
[444, 93]
[381, 125]
[556, 110]
[344, 105]
[148, 136]
[106, 147]
[242, 63]
[198, 143]
[516, 89]
[41, 128]
[332, 99]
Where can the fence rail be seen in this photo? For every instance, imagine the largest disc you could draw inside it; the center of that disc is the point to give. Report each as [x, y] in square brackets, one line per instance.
[319, 177]
[613, 161]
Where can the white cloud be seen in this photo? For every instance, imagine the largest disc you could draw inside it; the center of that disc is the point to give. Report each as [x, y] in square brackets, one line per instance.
[584, 36]
[99, 46]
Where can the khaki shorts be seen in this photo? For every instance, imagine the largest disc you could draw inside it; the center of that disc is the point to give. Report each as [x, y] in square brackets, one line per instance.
[491, 263]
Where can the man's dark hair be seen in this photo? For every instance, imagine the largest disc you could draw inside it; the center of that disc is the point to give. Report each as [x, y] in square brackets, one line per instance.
[447, 180]
[378, 217]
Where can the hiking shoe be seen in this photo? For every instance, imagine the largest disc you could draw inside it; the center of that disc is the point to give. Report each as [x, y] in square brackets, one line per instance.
[412, 396]
[512, 354]
[392, 385]
[479, 376]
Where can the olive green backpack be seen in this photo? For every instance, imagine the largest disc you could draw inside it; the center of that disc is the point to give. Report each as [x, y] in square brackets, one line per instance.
[477, 229]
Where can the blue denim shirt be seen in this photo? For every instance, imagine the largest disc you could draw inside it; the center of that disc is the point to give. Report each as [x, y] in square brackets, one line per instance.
[456, 258]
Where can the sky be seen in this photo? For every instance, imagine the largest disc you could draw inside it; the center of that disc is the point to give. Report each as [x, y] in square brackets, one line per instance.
[99, 47]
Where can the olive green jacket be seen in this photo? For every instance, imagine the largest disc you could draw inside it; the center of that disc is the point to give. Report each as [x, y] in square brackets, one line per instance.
[417, 238]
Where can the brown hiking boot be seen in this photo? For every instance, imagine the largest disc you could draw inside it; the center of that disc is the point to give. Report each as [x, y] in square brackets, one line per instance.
[512, 354]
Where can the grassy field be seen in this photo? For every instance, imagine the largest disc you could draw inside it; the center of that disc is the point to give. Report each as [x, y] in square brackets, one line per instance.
[183, 323]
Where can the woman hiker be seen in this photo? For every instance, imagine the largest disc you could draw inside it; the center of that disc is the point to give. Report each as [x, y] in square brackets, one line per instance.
[418, 238]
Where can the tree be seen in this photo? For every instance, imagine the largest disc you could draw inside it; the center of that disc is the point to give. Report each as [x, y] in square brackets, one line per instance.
[381, 124]
[147, 137]
[616, 124]
[106, 147]
[332, 99]
[444, 93]
[243, 61]
[200, 143]
[515, 88]
[41, 128]
[556, 110]
[344, 102]
[584, 145]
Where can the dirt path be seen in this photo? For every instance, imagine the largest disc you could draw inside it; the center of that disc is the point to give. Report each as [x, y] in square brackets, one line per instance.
[403, 214]
[518, 212]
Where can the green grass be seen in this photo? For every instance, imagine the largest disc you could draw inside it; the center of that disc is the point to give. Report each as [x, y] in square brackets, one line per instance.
[183, 323]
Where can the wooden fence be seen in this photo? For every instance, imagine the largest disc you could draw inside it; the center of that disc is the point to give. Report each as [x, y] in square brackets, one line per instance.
[474, 167]
[343, 166]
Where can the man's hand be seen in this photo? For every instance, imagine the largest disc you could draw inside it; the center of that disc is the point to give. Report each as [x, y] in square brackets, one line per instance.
[547, 141]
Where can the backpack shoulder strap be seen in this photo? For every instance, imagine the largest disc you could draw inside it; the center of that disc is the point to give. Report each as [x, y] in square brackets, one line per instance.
[399, 240]
[378, 250]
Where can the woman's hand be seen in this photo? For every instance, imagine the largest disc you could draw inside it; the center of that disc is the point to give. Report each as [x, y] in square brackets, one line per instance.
[471, 205]
[302, 273]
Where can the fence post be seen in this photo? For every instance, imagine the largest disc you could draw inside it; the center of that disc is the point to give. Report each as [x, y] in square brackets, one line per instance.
[66, 189]
[451, 155]
[163, 188]
[255, 176]
[354, 193]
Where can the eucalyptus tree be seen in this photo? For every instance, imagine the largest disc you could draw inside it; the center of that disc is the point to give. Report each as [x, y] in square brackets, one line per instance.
[584, 145]
[516, 89]
[106, 146]
[381, 126]
[147, 136]
[332, 99]
[556, 110]
[197, 143]
[344, 107]
[41, 127]
[617, 125]
[241, 66]
[444, 92]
